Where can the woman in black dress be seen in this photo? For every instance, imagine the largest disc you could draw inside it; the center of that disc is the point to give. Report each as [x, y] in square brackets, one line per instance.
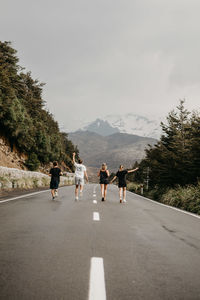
[121, 175]
[55, 174]
[104, 174]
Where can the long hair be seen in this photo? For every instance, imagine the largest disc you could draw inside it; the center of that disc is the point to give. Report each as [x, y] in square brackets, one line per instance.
[104, 166]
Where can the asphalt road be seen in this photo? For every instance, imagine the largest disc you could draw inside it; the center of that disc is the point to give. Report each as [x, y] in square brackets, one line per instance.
[148, 251]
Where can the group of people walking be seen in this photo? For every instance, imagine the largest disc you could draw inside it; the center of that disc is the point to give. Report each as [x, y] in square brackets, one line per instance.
[81, 173]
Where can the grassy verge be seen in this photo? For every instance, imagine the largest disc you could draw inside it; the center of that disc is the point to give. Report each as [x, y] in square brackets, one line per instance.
[187, 198]
[133, 187]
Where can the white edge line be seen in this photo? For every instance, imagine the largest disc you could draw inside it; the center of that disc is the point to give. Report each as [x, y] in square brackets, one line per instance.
[97, 290]
[23, 196]
[168, 206]
[96, 216]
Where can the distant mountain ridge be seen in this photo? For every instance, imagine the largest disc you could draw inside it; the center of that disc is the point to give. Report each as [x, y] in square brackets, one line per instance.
[101, 127]
[114, 149]
[129, 123]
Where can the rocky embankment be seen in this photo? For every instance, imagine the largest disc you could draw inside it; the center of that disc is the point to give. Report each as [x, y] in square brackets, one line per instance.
[11, 178]
[11, 158]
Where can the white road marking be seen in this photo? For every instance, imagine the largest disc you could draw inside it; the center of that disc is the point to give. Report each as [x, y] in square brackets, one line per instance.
[168, 206]
[95, 201]
[94, 195]
[97, 290]
[96, 216]
[23, 196]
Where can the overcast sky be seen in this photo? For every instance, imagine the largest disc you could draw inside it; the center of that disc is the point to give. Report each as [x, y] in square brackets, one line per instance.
[100, 57]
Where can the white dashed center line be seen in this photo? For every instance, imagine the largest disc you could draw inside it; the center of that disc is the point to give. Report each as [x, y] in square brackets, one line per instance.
[96, 216]
[95, 201]
[97, 290]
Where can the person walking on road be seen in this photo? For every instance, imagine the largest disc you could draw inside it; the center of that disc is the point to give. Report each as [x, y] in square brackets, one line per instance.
[80, 173]
[55, 174]
[103, 174]
[121, 175]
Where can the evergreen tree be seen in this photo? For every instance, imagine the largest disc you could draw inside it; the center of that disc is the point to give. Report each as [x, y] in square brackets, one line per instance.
[175, 158]
[23, 118]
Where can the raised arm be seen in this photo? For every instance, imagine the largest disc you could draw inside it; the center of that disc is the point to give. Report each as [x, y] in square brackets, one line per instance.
[131, 171]
[73, 159]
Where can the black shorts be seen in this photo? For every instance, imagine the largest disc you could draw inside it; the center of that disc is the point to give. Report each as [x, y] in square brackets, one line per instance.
[54, 184]
[122, 184]
[104, 181]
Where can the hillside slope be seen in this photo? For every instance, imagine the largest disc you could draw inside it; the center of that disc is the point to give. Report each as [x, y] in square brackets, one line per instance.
[11, 159]
[115, 149]
[29, 129]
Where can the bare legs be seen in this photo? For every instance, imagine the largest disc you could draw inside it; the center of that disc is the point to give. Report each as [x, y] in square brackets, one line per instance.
[124, 194]
[81, 189]
[53, 193]
[104, 191]
[76, 191]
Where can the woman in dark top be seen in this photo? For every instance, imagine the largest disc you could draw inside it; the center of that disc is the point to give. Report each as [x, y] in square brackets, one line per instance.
[103, 174]
[55, 174]
[121, 175]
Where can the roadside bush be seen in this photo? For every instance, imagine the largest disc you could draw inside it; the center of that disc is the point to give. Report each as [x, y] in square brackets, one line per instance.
[133, 187]
[32, 162]
[187, 198]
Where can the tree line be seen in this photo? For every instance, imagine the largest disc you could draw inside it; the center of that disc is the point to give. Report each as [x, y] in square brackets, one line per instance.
[24, 121]
[173, 163]
[175, 159]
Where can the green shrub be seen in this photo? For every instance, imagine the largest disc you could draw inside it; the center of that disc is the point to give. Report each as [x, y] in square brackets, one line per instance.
[187, 198]
[133, 187]
[32, 162]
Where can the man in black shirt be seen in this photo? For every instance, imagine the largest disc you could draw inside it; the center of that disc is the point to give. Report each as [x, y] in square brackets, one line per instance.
[55, 174]
[121, 175]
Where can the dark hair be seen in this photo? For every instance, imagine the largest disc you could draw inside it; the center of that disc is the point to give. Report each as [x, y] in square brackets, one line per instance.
[80, 161]
[55, 163]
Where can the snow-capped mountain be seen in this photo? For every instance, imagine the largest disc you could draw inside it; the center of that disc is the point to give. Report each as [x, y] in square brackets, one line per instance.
[129, 123]
[101, 127]
[135, 124]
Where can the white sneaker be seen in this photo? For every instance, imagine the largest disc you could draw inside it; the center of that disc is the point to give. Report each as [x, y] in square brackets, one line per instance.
[76, 198]
[56, 194]
[124, 201]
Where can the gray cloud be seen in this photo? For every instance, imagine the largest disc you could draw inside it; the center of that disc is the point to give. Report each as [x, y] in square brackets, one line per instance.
[101, 57]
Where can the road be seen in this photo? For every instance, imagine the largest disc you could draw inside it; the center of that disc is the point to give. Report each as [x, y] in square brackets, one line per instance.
[142, 250]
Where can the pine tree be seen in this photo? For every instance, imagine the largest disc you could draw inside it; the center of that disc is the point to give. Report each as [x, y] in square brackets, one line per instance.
[23, 118]
[175, 159]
